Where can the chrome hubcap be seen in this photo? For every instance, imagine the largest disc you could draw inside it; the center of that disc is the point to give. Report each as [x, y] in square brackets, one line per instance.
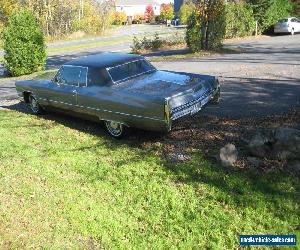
[34, 105]
[114, 128]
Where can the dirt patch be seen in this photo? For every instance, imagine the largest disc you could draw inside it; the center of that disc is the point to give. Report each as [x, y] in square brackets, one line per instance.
[209, 134]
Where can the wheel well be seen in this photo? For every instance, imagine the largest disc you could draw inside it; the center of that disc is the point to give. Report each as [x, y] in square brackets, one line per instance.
[26, 96]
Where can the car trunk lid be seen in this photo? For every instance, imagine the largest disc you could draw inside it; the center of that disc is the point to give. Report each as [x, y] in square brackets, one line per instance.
[167, 84]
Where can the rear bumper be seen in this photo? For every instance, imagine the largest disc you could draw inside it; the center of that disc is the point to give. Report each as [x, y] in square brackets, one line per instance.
[195, 106]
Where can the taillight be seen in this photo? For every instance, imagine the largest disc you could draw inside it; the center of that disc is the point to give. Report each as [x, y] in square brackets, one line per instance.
[167, 114]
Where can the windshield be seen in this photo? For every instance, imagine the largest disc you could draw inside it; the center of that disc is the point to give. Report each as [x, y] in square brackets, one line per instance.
[129, 70]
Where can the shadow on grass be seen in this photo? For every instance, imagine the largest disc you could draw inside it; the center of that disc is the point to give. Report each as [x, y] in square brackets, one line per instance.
[242, 187]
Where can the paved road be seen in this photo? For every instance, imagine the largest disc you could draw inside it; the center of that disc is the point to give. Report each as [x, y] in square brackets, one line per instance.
[261, 79]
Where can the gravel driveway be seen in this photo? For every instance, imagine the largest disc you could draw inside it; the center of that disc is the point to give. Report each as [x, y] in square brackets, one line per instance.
[261, 79]
[264, 78]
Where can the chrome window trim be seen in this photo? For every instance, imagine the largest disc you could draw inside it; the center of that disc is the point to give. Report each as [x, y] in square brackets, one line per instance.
[74, 66]
[127, 78]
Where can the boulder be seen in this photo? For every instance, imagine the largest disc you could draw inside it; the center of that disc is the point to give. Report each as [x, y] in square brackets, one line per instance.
[228, 155]
[294, 166]
[287, 144]
[279, 144]
[254, 161]
[260, 144]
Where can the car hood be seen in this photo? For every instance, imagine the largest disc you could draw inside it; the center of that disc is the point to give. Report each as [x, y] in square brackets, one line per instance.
[167, 84]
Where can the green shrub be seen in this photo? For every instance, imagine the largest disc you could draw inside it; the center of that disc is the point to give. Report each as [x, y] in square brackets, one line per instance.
[185, 11]
[277, 10]
[193, 33]
[157, 42]
[136, 46]
[268, 12]
[206, 26]
[295, 8]
[23, 44]
[139, 46]
[239, 20]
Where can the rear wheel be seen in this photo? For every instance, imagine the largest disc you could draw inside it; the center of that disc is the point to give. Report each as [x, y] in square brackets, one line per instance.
[115, 129]
[292, 32]
[35, 106]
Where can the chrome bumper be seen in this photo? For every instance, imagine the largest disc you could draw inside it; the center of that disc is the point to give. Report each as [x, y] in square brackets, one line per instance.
[191, 107]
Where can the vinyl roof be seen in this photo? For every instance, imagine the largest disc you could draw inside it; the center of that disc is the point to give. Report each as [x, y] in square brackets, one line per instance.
[104, 60]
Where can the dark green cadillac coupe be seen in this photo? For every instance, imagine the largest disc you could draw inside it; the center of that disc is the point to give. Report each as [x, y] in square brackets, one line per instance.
[123, 90]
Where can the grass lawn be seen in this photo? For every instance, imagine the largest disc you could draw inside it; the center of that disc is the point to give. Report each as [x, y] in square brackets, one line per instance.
[185, 54]
[65, 184]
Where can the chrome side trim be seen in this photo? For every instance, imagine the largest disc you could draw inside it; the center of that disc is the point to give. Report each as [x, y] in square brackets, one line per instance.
[102, 110]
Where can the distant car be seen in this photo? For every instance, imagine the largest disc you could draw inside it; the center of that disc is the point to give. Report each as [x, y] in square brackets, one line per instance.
[288, 25]
[123, 90]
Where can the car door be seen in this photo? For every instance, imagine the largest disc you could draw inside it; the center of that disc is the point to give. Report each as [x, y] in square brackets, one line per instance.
[297, 25]
[63, 92]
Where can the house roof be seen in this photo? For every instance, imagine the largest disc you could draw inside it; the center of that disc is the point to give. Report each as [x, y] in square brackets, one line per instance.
[135, 2]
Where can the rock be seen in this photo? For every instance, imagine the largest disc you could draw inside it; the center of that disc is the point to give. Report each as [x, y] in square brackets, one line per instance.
[287, 145]
[254, 161]
[279, 144]
[178, 157]
[228, 155]
[259, 144]
[294, 166]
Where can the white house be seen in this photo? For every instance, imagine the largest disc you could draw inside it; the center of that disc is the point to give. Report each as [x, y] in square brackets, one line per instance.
[133, 8]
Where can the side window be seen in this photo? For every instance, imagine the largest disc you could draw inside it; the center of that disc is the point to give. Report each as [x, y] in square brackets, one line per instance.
[83, 77]
[97, 77]
[57, 78]
[68, 75]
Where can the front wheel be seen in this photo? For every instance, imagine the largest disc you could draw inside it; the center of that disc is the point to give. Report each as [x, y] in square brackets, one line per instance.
[115, 129]
[35, 106]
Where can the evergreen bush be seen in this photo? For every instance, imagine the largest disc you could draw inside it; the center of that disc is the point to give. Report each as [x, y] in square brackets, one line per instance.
[239, 20]
[23, 44]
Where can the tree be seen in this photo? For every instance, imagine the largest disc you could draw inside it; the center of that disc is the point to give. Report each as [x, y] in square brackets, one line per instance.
[239, 20]
[23, 44]
[206, 26]
[296, 8]
[149, 14]
[62, 17]
[6, 8]
[268, 12]
[120, 18]
[185, 11]
[166, 12]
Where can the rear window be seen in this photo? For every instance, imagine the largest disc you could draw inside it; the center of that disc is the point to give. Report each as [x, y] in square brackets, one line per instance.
[129, 70]
[283, 21]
